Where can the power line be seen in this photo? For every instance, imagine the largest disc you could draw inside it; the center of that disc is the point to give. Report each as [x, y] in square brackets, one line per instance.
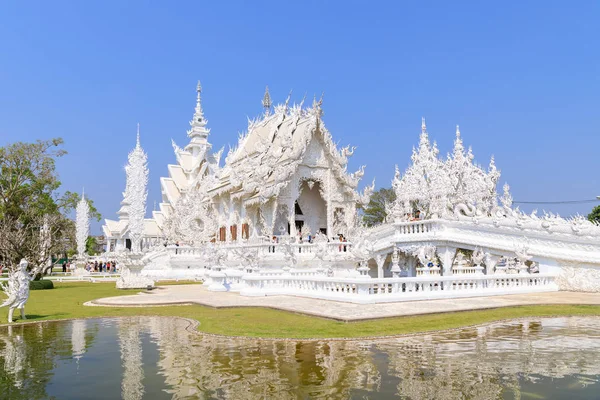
[556, 202]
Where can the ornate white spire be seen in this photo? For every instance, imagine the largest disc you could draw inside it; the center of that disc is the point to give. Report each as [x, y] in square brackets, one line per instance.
[266, 102]
[136, 193]
[317, 106]
[198, 110]
[198, 122]
[82, 224]
[506, 198]
[459, 148]
[424, 145]
[137, 141]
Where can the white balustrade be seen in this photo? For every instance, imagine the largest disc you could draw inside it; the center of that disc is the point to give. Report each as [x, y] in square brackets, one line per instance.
[265, 249]
[468, 270]
[414, 227]
[370, 290]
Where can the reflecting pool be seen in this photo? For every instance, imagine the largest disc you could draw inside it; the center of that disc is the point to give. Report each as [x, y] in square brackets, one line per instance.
[159, 358]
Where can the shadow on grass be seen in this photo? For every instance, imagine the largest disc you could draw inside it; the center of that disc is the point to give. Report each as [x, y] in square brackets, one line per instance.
[37, 316]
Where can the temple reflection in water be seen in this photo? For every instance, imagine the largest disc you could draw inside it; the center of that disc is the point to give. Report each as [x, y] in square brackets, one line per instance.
[145, 357]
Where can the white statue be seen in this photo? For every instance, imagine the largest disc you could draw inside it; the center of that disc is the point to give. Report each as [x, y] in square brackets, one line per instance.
[478, 257]
[322, 250]
[17, 290]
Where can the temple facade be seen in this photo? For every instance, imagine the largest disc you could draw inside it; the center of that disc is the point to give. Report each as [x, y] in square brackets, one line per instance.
[285, 176]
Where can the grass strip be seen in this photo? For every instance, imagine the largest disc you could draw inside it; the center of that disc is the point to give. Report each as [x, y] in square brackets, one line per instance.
[66, 301]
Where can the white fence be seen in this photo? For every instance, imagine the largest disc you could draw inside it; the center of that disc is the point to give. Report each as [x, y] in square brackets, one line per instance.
[361, 290]
[266, 248]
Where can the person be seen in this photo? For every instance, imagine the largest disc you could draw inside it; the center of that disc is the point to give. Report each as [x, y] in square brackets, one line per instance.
[64, 266]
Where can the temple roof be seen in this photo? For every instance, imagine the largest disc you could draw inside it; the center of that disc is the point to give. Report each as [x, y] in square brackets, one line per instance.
[273, 148]
[113, 228]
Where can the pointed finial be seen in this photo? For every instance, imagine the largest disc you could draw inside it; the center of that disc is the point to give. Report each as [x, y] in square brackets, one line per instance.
[137, 140]
[287, 101]
[423, 126]
[83, 192]
[317, 105]
[198, 116]
[457, 131]
[266, 101]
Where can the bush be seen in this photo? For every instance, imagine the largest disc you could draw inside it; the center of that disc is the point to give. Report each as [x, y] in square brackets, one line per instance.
[42, 284]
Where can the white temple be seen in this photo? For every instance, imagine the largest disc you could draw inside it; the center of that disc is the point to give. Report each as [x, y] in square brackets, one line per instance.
[280, 217]
[284, 176]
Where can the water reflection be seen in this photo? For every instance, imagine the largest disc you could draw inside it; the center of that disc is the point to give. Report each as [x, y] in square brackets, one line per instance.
[158, 358]
[131, 358]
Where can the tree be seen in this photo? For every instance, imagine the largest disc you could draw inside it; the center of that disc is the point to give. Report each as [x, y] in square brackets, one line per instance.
[90, 245]
[594, 216]
[377, 210]
[33, 216]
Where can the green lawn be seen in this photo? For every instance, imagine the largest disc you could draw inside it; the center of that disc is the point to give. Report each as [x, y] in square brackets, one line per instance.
[66, 301]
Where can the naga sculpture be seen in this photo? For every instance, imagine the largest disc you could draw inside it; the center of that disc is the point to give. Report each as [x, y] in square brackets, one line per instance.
[17, 290]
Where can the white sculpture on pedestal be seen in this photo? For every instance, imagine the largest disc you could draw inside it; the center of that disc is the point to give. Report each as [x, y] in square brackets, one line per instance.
[136, 193]
[131, 265]
[477, 259]
[522, 257]
[82, 231]
[427, 257]
[321, 252]
[17, 290]
[396, 270]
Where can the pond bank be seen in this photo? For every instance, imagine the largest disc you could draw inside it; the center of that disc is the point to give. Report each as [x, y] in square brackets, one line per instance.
[67, 301]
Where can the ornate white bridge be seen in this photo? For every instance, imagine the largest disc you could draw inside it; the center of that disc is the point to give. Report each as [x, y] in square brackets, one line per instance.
[402, 261]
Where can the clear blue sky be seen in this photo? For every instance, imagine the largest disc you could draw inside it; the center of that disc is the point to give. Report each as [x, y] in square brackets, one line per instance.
[521, 78]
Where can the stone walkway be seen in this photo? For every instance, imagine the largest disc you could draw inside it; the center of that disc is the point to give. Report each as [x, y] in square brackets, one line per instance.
[197, 294]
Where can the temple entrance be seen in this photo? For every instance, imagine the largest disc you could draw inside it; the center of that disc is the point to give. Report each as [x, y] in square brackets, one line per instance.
[310, 209]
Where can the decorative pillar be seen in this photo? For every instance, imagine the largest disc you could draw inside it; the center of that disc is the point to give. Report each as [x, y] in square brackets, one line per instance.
[292, 217]
[380, 260]
[396, 264]
[411, 265]
[490, 263]
[446, 255]
[328, 205]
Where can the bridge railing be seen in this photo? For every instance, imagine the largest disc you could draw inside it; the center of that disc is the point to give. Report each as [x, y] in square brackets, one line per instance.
[266, 248]
[415, 227]
[366, 290]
